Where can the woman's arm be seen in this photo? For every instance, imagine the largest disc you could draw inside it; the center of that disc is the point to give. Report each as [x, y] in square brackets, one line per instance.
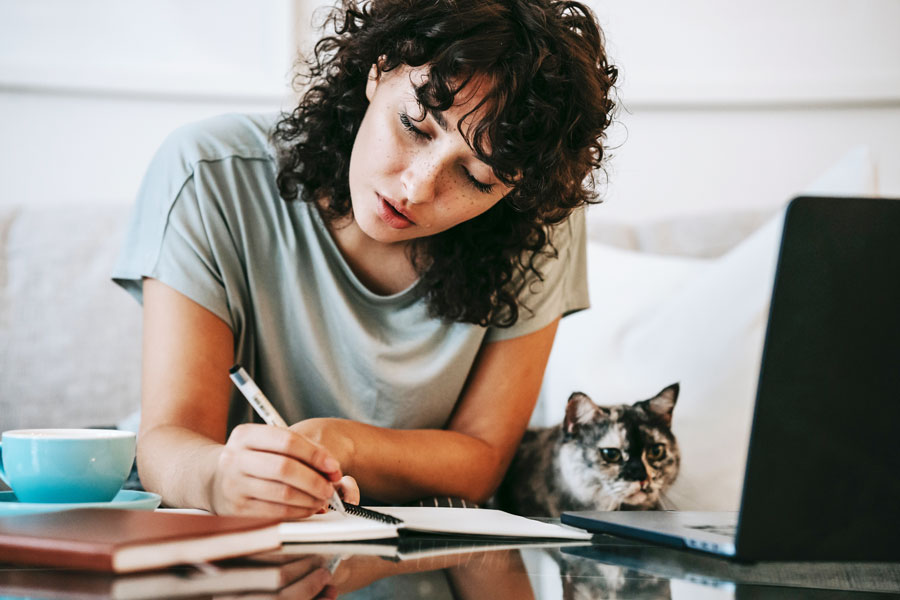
[184, 456]
[466, 460]
[182, 449]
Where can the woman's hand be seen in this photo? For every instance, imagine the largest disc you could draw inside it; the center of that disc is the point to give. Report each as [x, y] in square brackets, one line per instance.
[264, 470]
[332, 434]
[348, 489]
[308, 577]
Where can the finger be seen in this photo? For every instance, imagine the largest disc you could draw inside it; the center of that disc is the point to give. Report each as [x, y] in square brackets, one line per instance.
[280, 493]
[261, 508]
[328, 593]
[309, 586]
[288, 443]
[301, 567]
[238, 462]
[285, 470]
[348, 489]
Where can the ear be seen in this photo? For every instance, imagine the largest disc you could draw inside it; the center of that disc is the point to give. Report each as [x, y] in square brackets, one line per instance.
[372, 82]
[662, 404]
[580, 410]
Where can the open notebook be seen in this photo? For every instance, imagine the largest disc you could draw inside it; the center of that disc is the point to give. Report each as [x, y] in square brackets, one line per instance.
[416, 547]
[386, 522]
[391, 521]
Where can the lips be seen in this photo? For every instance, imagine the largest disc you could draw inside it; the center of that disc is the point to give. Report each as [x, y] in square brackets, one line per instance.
[392, 214]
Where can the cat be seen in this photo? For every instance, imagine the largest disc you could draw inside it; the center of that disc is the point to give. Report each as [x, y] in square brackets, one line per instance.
[593, 578]
[621, 457]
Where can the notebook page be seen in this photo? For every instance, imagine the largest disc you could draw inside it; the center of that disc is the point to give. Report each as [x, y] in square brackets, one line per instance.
[335, 527]
[479, 521]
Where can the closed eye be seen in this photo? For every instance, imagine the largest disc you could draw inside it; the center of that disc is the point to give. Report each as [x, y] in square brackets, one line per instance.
[412, 129]
[484, 188]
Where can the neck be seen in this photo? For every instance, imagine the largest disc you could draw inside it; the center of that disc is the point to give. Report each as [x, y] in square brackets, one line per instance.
[383, 268]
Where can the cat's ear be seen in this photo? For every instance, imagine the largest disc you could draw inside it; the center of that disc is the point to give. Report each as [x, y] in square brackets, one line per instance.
[580, 410]
[662, 404]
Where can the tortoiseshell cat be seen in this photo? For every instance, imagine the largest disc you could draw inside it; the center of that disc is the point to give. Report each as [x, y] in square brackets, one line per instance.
[593, 577]
[599, 458]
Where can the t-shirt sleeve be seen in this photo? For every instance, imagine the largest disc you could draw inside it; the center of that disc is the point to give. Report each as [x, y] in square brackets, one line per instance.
[564, 287]
[177, 234]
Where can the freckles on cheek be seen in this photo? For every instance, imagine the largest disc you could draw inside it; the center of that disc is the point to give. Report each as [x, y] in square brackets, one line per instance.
[465, 207]
[389, 157]
[474, 209]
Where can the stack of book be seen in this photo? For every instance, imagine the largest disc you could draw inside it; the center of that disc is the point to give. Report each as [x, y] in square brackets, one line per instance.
[125, 541]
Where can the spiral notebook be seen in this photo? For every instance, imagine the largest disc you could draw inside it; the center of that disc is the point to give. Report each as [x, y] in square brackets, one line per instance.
[387, 522]
[412, 546]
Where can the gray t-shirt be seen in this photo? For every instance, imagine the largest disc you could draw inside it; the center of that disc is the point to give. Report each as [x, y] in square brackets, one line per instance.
[209, 223]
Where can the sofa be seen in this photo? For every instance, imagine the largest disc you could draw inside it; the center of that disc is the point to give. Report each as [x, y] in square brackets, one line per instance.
[71, 338]
[678, 299]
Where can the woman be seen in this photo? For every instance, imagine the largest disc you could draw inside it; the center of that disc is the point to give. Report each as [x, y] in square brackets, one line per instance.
[389, 262]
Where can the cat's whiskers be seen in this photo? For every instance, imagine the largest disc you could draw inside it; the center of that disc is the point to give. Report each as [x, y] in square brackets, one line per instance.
[666, 503]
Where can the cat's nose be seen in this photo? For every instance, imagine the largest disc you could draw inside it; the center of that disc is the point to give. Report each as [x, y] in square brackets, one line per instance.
[634, 471]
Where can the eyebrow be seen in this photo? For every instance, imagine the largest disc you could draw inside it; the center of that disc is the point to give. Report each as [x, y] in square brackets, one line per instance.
[438, 116]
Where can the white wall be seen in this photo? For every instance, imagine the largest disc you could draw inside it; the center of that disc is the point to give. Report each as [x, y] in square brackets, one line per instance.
[742, 104]
[725, 104]
[88, 90]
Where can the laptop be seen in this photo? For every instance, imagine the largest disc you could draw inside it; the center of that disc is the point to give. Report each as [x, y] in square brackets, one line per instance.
[822, 480]
[696, 575]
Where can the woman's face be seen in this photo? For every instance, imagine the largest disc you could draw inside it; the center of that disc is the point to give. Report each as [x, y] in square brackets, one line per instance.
[409, 177]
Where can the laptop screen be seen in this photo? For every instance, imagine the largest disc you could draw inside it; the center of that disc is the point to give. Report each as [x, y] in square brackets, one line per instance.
[824, 457]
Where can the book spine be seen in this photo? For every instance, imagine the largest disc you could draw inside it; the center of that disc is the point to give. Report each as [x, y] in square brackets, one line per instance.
[26, 552]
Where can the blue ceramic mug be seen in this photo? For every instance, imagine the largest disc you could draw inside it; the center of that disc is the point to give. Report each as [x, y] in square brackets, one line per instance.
[66, 465]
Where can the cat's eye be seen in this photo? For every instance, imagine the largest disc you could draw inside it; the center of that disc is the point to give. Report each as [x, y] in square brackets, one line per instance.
[611, 455]
[656, 451]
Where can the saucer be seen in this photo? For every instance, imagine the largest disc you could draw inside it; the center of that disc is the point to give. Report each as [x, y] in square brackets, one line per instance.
[10, 505]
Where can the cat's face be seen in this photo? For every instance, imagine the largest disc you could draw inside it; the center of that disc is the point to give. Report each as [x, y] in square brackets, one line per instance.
[586, 578]
[620, 457]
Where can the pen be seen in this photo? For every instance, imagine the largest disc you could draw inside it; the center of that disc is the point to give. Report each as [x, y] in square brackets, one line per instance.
[264, 409]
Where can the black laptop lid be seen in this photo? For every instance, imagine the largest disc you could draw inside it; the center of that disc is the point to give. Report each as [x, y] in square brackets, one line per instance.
[823, 470]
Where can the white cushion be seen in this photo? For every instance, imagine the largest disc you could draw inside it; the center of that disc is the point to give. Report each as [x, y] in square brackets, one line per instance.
[657, 320]
[704, 235]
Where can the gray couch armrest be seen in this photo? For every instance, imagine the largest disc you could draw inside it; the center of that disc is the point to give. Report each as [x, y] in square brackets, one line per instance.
[70, 355]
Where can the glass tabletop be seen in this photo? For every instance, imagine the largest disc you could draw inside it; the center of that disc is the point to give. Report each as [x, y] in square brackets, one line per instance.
[432, 568]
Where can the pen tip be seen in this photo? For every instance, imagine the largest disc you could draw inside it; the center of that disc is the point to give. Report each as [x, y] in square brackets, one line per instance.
[234, 369]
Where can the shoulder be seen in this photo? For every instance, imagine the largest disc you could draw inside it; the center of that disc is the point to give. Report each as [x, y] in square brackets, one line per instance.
[210, 142]
[565, 240]
[241, 136]
[220, 137]
[556, 285]
[571, 231]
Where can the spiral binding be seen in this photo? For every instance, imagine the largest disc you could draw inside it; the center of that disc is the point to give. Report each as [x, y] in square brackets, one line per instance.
[359, 511]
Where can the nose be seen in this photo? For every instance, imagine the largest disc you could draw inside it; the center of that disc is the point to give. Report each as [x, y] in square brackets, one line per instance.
[419, 179]
[634, 470]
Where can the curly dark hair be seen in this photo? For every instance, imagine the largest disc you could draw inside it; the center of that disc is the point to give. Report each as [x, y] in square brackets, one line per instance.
[541, 132]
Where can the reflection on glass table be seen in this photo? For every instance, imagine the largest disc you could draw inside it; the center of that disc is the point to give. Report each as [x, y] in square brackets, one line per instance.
[436, 569]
